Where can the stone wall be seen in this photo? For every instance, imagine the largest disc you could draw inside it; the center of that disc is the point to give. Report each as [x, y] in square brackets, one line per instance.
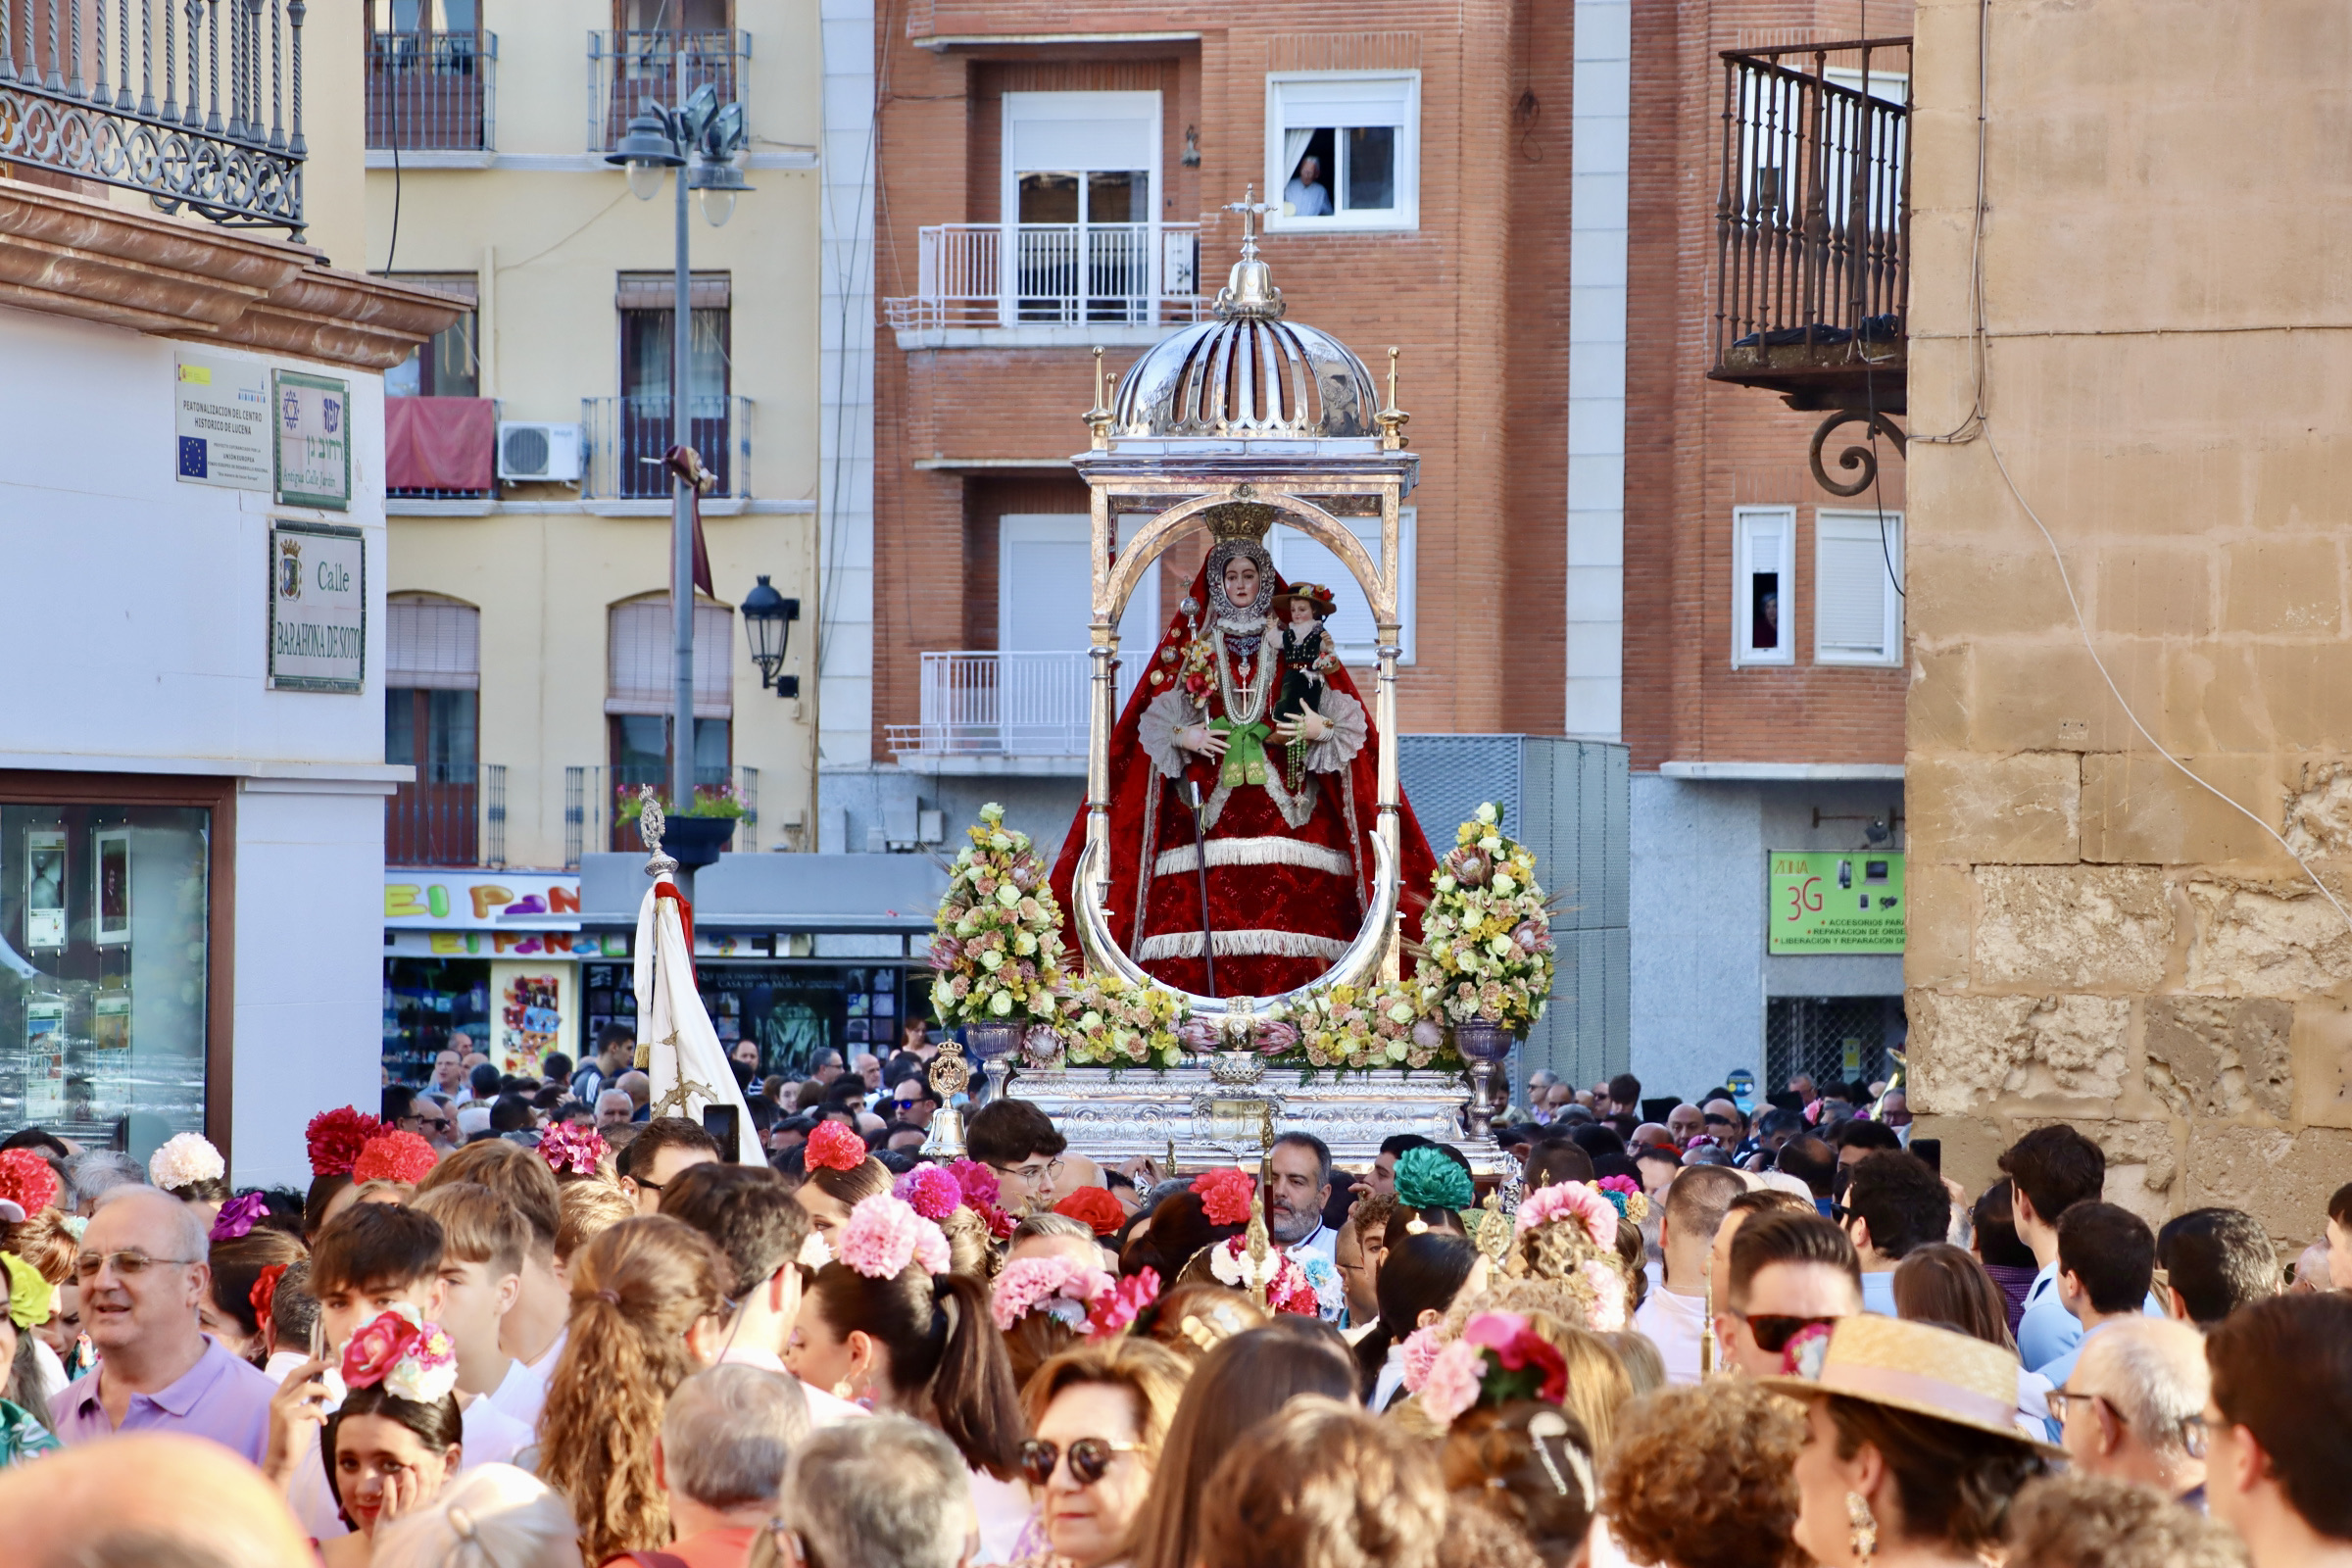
[2095, 936]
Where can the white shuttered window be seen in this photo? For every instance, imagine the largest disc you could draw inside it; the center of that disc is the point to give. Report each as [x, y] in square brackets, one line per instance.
[1763, 585]
[1298, 557]
[1857, 569]
[435, 643]
[644, 660]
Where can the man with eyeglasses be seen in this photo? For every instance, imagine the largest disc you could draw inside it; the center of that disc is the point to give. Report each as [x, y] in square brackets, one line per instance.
[142, 1273]
[2135, 1407]
[1022, 1145]
[1787, 1272]
[436, 1121]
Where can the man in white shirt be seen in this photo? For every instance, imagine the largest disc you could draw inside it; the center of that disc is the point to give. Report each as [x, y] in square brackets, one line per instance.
[1306, 195]
[750, 1213]
[1675, 1317]
[1299, 1186]
[485, 1241]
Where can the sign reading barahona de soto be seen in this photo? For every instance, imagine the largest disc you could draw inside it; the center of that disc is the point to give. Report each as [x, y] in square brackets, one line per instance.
[318, 608]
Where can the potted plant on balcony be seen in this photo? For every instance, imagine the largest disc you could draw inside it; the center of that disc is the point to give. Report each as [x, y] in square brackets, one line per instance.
[1485, 954]
[695, 836]
[998, 950]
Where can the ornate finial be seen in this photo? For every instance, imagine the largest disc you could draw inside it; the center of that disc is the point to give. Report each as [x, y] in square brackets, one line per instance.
[1495, 1228]
[1260, 1245]
[1249, 288]
[950, 1073]
[1392, 419]
[1097, 417]
[651, 826]
[1170, 1173]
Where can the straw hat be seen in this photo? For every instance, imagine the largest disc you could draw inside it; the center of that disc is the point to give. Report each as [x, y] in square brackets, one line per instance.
[1908, 1366]
[1324, 601]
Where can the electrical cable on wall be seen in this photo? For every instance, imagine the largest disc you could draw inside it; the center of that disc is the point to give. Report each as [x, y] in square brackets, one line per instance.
[1979, 425]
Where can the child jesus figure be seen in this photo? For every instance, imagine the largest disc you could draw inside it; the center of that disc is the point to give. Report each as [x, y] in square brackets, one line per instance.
[1306, 655]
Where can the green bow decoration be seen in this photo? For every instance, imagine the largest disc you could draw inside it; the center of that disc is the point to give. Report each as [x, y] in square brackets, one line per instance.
[1245, 753]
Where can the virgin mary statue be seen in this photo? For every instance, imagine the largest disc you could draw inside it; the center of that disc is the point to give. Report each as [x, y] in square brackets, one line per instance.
[1286, 792]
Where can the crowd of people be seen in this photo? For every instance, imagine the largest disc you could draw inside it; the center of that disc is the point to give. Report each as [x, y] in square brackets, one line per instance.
[525, 1322]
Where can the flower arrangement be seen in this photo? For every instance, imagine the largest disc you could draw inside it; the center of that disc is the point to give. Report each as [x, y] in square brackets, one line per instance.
[1062, 1289]
[28, 1181]
[185, 1159]
[1225, 1195]
[832, 1146]
[395, 1156]
[1486, 951]
[931, 1191]
[336, 1138]
[412, 1359]
[981, 1193]
[1119, 1306]
[1109, 1022]
[884, 1235]
[237, 1217]
[1497, 1360]
[1285, 1285]
[1366, 1026]
[998, 947]
[1095, 1208]
[570, 1149]
[710, 800]
[1431, 1178]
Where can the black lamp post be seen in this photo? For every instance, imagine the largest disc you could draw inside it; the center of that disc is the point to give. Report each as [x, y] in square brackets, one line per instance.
[767, 617]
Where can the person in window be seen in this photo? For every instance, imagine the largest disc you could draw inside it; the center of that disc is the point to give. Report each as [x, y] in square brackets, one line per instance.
[1306, 195]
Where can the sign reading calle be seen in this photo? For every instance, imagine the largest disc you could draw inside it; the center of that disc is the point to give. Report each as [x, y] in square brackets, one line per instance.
[220, 411]
[312, 415]
[1837, 902]
[318, 608]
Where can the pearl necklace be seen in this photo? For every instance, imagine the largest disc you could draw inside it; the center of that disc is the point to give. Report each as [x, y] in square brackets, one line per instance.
[1249, 704]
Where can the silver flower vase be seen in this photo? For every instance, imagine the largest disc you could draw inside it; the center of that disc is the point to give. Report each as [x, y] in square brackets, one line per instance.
[993, 1044]
[1485, 1047]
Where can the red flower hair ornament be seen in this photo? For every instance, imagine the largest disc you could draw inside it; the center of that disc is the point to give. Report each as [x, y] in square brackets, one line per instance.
[1094, 1207]
[263, 1294]
[28, 1181]
[1225, 1195]
[336, 1138]
[1117, 1308]
[395, 1156]
[833, 1147]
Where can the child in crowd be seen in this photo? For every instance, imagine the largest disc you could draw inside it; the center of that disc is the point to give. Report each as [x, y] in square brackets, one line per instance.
[485, 1241]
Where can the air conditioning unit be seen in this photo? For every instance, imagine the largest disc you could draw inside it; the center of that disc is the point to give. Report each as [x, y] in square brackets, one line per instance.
[544, 451]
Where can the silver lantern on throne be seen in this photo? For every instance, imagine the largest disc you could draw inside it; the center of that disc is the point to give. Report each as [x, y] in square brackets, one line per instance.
[1237, 424]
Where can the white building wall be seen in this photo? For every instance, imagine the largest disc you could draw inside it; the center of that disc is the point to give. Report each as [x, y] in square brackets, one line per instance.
[132, 626]
[846, 395]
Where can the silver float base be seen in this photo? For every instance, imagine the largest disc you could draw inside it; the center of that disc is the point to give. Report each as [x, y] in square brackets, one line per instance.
[1111, 1115]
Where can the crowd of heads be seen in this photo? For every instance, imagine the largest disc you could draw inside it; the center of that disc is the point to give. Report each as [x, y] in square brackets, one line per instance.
[1696, 1338]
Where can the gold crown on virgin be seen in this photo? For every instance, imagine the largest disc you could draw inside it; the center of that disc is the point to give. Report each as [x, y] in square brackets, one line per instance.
[1241, 520]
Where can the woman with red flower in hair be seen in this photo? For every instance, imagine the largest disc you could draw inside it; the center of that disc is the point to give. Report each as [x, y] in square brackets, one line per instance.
[841, 1175]
[395, 1438]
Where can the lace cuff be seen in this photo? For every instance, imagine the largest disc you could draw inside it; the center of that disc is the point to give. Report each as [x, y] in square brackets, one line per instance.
[1158, 723]
[1349, 732]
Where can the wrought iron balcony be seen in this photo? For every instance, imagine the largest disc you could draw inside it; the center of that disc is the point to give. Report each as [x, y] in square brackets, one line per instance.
[449, 815]
[980, 708]
[1813, 234]
[996, 274]
[432, 91]
[629, 436]
[70, 103]
[630, 68]
[600, 805]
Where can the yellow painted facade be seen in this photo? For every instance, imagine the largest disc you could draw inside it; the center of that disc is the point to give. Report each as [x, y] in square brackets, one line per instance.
[544, 229]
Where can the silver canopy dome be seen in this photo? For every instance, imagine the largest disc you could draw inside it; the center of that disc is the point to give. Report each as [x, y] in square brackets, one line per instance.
[1248, 372]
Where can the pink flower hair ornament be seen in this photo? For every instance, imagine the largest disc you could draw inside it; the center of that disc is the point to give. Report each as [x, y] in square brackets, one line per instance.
[981, 1192]
[572, 1151]
[833, 1147]
[1112, 1312]
[930, 1192]
[1060, 1289]
[1564, 1199]
[884, 1235]
[412, 1359]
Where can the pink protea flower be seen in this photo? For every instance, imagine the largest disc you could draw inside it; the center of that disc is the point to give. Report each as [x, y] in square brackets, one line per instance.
[885, 1235]
[930, 1192]
[1547, 1203]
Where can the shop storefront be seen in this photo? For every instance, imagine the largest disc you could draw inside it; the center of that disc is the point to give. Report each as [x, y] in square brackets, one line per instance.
[481, 960]
[791, 1007]
[112, 982]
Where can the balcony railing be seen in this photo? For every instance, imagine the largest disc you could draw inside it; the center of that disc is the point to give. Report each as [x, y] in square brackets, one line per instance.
[432, 91]
[451, 812]
[70, 102]
[627, 70]
[970, 276]
[595, 798]
[986, 704]
[627, 438]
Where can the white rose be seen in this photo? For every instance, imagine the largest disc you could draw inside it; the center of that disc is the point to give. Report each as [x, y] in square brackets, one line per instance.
[1505, 885]
[1491, 844]
[1486, 813]
[1000, 1003]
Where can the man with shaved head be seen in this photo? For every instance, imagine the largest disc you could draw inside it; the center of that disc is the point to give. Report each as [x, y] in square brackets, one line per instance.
[148, 1499]
[143, 1271]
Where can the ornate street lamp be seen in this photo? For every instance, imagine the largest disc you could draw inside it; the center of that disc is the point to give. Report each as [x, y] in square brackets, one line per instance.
[767, 617]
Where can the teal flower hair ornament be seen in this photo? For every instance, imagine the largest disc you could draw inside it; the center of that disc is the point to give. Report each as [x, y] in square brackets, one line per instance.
[1431, 1178]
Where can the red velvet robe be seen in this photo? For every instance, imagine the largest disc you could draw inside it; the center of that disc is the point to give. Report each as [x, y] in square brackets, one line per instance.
[1260, 903]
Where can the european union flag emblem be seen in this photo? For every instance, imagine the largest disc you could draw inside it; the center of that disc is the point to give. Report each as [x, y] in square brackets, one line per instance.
[192, 458]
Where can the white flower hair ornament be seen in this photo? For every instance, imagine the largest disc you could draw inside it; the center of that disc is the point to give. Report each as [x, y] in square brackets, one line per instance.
[884, 1235]
[187, 1159]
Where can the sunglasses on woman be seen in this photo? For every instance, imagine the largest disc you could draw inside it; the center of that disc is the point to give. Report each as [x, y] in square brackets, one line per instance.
[1773, 1331]
[1090, 1460]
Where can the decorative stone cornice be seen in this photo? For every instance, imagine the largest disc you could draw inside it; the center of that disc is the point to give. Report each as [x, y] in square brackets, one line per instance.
[77, 255]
